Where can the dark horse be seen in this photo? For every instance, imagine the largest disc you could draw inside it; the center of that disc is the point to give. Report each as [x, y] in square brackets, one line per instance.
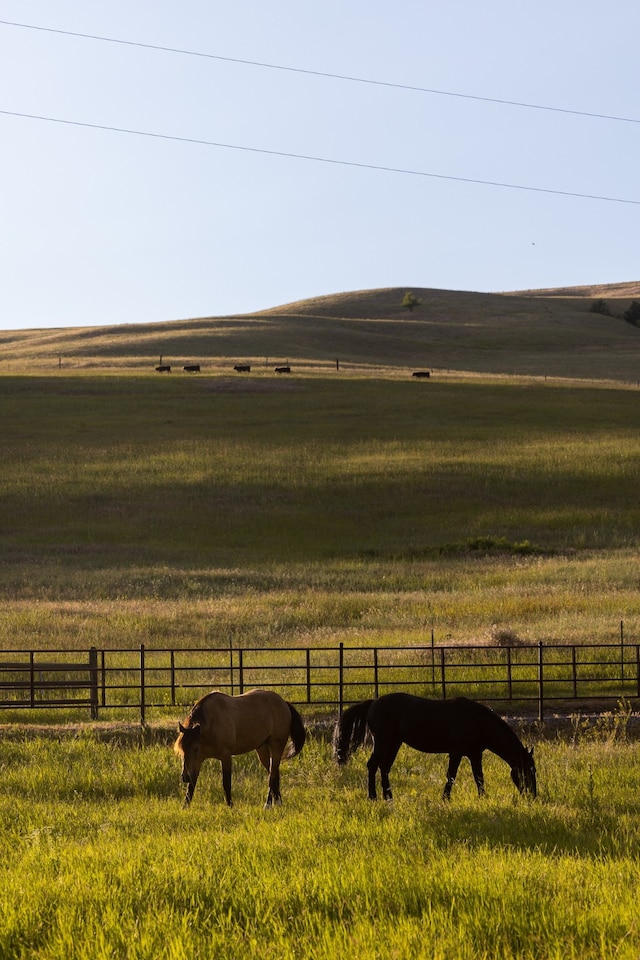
[221, 727]
[460, 727]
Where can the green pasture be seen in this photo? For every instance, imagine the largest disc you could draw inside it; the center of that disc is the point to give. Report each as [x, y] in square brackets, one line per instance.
[99, 860]
[198, 512]
[315, 509]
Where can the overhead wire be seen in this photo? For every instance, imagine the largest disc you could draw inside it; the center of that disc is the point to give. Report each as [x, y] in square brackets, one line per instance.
[322, 73]
[316, 158]
[313, 157]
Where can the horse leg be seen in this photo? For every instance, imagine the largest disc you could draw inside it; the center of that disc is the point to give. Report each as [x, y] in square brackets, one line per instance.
[389, 755]
[270, 757]
[226, 778]
[452, 772]
[274, 781]
[478, 775]
[264, 755]
[191, 780]
[372, 767]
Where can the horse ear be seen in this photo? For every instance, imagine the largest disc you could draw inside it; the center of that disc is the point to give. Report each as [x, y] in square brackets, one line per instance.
[181, 728]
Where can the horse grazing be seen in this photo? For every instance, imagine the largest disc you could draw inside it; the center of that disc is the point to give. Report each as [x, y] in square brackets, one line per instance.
[221, 727]
[459, 727]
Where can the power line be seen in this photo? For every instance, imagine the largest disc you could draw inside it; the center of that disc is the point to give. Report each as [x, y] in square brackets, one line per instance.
[324, 74]
[318, 159]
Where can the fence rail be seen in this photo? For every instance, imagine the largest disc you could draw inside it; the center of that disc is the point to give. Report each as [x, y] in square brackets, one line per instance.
[145, 679]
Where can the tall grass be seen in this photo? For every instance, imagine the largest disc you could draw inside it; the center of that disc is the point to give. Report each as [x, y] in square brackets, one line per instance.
[99, 860]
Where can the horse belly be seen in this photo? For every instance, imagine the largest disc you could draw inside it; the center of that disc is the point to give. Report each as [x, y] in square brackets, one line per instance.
[433, 741]
[268, 720]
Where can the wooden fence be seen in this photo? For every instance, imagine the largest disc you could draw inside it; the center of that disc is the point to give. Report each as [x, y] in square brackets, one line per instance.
[530, 678]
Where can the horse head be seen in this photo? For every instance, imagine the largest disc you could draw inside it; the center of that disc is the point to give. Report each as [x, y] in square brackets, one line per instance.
[524, 773]
[188, 746]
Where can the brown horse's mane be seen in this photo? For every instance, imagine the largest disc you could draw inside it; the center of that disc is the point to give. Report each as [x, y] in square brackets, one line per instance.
[194, 715]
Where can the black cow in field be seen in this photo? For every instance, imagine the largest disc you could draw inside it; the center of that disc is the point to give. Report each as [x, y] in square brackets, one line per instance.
[192, 368]
[283, 369]
[421, 373]
[164, 368]
[242, 368]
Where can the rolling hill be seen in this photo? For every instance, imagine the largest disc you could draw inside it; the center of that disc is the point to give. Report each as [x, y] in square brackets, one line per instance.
[552, 332]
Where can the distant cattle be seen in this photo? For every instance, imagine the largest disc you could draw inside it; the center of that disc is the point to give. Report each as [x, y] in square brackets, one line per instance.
[163, 368]
[242, 367]
[192, 368]
[421, 373]
[283, 369]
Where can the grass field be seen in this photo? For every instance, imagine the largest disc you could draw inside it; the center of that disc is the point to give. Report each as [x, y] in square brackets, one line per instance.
[100, 861]
[316, 510]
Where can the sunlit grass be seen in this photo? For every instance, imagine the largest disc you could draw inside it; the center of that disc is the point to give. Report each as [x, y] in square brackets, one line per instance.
[323, 510]
[370, 602]
[114, 867]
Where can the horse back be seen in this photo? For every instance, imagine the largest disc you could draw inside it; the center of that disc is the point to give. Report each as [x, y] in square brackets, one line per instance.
[240, 724]
[432, 726]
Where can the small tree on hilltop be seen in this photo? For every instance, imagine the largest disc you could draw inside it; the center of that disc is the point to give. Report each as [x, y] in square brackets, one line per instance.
[600, 306]
[410, 301]
[632, 314]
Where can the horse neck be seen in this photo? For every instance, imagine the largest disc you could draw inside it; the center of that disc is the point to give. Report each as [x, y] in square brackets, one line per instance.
[505, 743]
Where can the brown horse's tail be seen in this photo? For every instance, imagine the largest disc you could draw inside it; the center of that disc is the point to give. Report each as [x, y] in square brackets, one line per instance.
[297, 733]
[350, 731]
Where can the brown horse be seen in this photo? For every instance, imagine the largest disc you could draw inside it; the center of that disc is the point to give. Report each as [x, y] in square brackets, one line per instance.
[221, 727]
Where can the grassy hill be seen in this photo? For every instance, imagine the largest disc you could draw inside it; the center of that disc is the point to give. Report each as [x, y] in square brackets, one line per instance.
[538, 332]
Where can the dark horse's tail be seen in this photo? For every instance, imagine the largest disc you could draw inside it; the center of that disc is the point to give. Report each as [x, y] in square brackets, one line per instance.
[350, 732]
[297, 733]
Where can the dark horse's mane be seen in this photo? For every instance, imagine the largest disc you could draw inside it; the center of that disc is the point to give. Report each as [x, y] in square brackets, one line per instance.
[499, 724]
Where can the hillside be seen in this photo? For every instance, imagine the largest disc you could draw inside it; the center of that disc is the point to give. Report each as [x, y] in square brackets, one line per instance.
[540, 332]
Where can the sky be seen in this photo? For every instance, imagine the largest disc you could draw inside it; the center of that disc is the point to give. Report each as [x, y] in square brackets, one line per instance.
[278, 151]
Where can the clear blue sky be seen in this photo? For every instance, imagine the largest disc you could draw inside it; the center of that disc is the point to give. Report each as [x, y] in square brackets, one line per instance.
[99, 227]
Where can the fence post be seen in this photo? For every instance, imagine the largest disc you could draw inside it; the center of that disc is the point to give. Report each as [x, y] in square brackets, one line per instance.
[433, 661]
[375, 672]
[142, 686]
[341, 679]
[231, 666]
[509, 674]
[308, 660]
[173, 677]
[32, 679]
[241, 669]
[638, 667]
[103, 678]
[540, 683]
[443, 680]
[574, 671]
[93, 682]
